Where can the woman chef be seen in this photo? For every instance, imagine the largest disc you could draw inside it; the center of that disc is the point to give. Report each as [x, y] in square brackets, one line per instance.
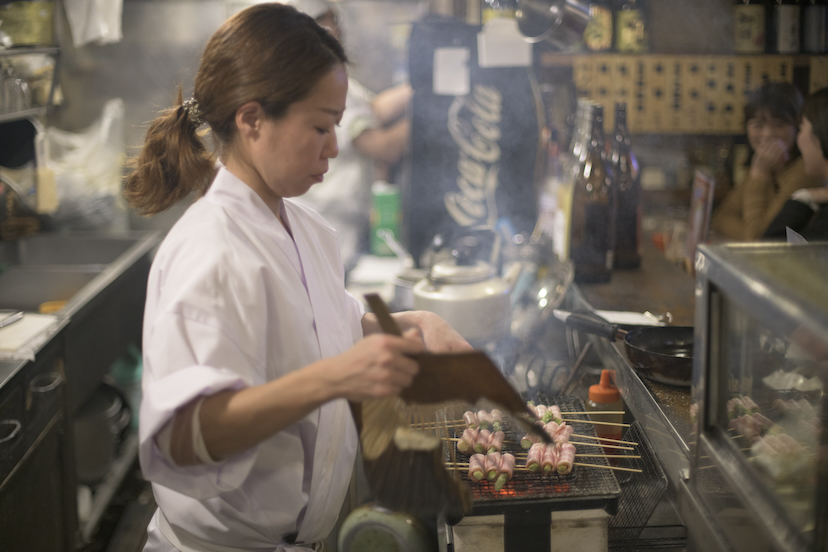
[252, 346]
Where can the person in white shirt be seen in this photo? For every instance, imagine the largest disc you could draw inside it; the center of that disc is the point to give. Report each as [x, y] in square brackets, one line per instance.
[252, 346]
[372, 137]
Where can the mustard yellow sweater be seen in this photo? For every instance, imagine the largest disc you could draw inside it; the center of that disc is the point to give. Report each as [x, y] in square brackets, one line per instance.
[751, 206]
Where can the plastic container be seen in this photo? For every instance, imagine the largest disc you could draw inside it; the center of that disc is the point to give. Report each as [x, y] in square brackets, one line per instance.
[604, 397]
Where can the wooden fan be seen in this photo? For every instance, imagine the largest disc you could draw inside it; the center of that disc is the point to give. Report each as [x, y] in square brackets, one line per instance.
[405, 467]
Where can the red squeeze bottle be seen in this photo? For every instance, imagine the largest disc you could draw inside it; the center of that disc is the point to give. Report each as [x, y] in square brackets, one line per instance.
[605, 397]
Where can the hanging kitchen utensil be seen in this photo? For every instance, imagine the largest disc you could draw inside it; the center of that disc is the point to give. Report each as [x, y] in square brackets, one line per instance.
[661, 353]
[559, 22]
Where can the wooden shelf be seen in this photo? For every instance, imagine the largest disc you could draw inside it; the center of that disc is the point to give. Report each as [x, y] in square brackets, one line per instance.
[555, 59]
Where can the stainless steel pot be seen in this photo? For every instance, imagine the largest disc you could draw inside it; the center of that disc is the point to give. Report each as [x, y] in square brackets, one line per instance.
[560, 22]
[97, 427]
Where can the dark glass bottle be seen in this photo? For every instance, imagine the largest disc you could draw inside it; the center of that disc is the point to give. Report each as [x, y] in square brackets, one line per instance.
[599, 30]
[814, 19]
[786, 26]
[628, 194]
[749, 27]
[592, 229]
[632, 27]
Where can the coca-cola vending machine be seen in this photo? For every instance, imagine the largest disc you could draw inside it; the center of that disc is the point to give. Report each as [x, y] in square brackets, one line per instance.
[476, 151]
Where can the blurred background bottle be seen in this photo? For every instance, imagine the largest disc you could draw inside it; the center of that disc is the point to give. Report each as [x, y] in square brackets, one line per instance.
[598, 35]
[498, 8]
[749, 27]
[592, 227]
[570, 164]
[786, 26]
[814, 22]
[385, 214]
[632, 27]
[628, 194]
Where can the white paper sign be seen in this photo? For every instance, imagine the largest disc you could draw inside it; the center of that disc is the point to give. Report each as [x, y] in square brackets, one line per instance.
[451, 72]
[501, 44]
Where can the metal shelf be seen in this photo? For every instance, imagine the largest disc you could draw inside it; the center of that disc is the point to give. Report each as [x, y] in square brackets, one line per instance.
[24, 50]
[17, 115]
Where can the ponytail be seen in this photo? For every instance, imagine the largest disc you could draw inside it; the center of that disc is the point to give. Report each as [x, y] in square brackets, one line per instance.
[173, 163]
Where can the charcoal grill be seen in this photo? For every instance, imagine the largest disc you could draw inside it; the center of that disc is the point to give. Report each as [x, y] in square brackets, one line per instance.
[528, 500]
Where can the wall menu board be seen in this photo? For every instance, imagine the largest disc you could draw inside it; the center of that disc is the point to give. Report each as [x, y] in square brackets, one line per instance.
[678, 94]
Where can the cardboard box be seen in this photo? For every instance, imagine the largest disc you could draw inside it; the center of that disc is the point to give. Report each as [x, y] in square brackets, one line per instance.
[692, 94]
[819, 73]
[603, 90]
[675, 86]
[623, 80]
[637, 117]
[658, 111]
[729, 100]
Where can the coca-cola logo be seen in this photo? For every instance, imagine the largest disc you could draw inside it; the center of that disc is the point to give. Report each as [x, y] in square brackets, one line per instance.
[474, 125]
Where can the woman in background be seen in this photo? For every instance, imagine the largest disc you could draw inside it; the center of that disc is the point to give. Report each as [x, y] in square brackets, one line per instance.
[807, 210]
[775, 170]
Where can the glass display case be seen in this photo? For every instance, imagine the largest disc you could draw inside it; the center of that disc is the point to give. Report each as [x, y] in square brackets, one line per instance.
[758, 458]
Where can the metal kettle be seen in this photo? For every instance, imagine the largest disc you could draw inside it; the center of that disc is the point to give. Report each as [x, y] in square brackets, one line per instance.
[469, 295]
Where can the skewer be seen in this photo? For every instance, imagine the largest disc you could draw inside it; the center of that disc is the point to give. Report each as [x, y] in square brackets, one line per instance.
[634, 470]
[620, 442]
[592, 422]
[601, 445]
[574, 443]
[523, 455]
[465, 466]
[463, 422]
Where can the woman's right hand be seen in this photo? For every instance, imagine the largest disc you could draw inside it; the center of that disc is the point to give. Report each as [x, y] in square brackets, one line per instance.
[377, 366]
[770, 157]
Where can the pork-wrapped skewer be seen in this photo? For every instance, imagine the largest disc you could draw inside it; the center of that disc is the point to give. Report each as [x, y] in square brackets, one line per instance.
[507, 468]
[484, 419]
[549, 463]
[495, 443]
[481, 445]
[492, 465]
[528, 440]
[566, 459]
[535, 456]
[477, 467]
[467, 440]
[497, 419]
[470, 418]
[541, 409]
[562, 433]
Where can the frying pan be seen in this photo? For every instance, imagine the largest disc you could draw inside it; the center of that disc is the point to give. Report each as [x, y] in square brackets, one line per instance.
[660, 353]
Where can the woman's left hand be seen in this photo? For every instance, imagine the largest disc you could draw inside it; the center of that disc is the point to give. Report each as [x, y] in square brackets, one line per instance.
[438, 335]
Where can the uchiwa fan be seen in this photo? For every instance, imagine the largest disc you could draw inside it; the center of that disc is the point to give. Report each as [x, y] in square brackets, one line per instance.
[406, 468]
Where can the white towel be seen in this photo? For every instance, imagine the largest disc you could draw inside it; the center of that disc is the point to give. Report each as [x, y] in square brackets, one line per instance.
[95, 21]
[22, 339]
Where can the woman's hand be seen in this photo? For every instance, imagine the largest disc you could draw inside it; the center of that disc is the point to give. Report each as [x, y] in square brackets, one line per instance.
[438, 335]
[377, 366]
[819, 195]
[769, 158]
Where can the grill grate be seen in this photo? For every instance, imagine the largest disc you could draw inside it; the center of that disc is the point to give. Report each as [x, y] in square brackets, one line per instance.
[641, 493]
[583, 488]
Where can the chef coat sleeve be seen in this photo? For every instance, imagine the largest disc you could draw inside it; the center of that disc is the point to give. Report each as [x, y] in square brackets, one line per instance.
[356, 310]
[185, 358]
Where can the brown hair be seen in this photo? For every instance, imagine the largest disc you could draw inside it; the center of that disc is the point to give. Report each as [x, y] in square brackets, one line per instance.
[782, 101]
[816, 111]
[268, 53]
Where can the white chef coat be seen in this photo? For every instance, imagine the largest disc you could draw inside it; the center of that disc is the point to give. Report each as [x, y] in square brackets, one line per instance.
[233, 301]
[343, 198]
